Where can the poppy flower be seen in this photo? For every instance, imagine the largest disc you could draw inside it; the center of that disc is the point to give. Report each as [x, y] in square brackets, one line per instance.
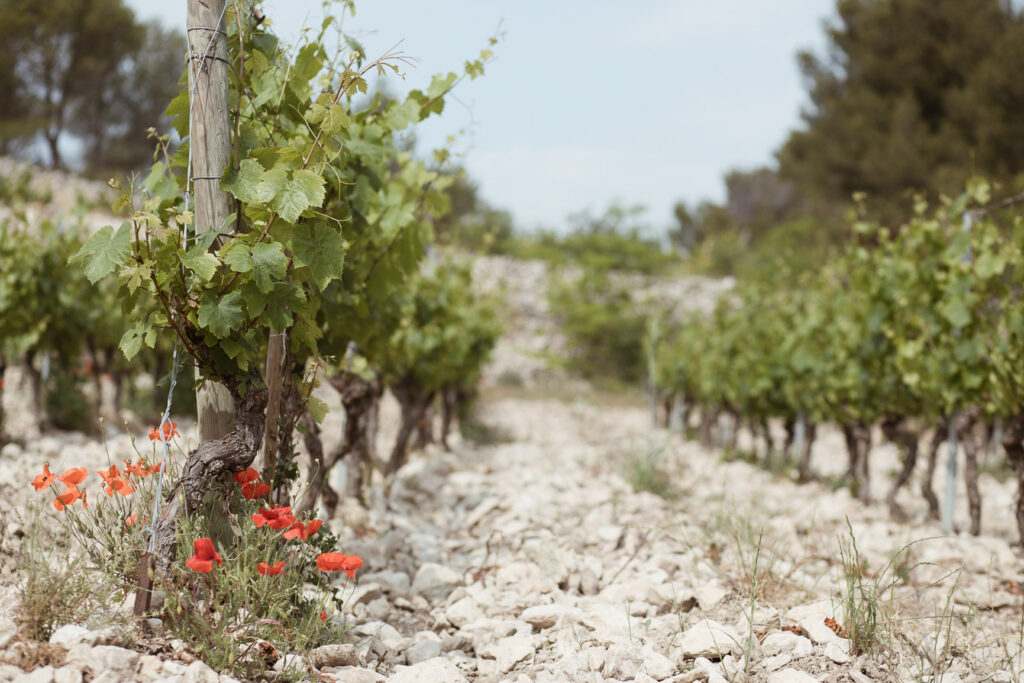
[264, 569]
[139, 470]
[134, 519]
[169, 429]
[44, 480]
[332, 562]
[303, 530]
[274, 517]
[323, 616]
[113, 481]
[74, 476]
[203, 556]
[255, 490]
[68, 497]
[247, 475]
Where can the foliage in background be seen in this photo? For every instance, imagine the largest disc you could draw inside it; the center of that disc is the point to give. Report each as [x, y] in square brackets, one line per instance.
[88, 70]
[603, 325]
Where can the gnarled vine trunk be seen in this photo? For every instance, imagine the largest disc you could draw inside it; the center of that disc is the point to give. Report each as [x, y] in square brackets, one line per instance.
[360, 397]
[210, 460]
[1013, 444]
[450, 399]
[414, 402]
[804, 473]
[858, 446]
[894, 428]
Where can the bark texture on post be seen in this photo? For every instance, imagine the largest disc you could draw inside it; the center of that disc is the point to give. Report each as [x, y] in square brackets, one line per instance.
[210, 140]
[275, 360]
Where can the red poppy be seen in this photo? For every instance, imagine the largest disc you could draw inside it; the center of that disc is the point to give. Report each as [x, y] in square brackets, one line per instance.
[203, 556]
[131, 520]
[74, 476]
[323, 616]
[170, 430]
[247, 475]
[139, 470]
[274, 517]
[255, 490]
[113, 481]
[68, 497]
[332, 562]
[303, 530]
[265, 569]
[44, 480]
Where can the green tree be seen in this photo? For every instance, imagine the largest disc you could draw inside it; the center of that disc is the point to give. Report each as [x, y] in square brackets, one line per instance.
[909, 97]
[85, 68]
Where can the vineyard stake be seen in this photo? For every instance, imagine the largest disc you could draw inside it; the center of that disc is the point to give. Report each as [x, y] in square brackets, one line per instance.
[949, 503]
[210, 151]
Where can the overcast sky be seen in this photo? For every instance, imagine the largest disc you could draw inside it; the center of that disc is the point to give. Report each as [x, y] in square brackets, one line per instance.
[593, 101]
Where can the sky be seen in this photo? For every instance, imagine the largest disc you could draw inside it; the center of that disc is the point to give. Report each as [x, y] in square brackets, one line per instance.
[590, 102]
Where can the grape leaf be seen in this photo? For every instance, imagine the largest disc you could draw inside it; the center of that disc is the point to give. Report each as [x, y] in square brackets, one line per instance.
[245, 182]
[105, 251]
[201, 262]
[306, 189]
[320, 248]
[221, 315]
[269, 264]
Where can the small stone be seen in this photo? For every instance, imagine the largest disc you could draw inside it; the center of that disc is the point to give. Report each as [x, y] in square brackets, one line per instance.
[387, 634]
[43, 674]
[288, 662]
[546, 616]
[106, 658]
[658, 666]
[858, 677]
[817, 630]
[791, 676]
[154, 626]
[378, 609]
[68, 674]
[776, 662]
[199, 672]
[709, 639]
[435, 581]
[353, 675]
[785, 642]
[836, 653]
[423, 650]
[691, 676]
[462, 612]
[508, 651]
[334, 655]
[622, 662]
[8, 629]
[150, 667]
[68, 634]
[391, 581]
[437, 670]
[710, 594]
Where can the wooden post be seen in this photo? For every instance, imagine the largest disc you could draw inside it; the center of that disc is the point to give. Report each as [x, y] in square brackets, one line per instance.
[275, 358]
[210, 138]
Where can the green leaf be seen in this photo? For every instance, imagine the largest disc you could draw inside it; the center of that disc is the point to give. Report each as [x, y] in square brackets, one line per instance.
[177, 111]
[331, 118]
[105, 251]
[238, 257]
[320, 248]
[306, 189]
[221, 315]
[318, 409]
[244, 183]
[400, 116]
[956, 312]
[131, 341]
[269, 264]
[201, 262]
[272, 183]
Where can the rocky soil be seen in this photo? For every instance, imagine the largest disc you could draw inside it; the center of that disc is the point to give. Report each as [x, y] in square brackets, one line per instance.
[535, 560]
